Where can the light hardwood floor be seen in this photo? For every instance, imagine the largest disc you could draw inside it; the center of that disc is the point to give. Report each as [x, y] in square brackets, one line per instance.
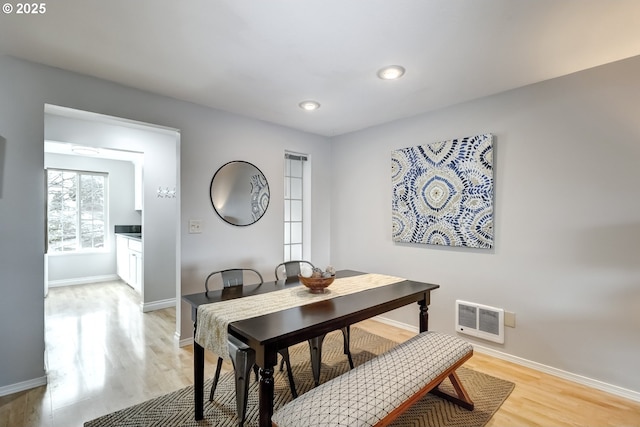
[103, 354]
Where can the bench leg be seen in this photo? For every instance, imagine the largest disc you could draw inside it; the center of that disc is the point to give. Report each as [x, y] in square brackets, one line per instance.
[462, 397]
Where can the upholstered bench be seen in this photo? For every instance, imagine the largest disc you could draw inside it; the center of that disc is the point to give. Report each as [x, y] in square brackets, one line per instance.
[378, 391]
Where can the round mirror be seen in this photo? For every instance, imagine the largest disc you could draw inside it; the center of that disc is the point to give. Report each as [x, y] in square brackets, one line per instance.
[239, 193]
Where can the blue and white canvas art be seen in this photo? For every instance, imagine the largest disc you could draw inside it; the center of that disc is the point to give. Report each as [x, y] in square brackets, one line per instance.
[443, 193]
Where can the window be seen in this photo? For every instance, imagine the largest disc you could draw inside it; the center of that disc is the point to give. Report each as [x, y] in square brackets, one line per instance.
[294, 172]
[76, 210]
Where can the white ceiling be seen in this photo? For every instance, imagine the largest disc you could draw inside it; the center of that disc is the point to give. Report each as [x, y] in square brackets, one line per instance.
[56, 147]
[260, 58]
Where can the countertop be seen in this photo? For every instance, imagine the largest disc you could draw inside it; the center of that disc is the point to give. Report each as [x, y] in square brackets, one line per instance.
[135, 236]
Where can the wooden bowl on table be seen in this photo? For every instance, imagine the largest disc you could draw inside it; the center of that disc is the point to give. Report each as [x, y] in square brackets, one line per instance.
[317, 285]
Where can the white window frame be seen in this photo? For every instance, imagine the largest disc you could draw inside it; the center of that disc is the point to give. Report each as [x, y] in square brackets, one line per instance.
[78, 210]
[296, 233]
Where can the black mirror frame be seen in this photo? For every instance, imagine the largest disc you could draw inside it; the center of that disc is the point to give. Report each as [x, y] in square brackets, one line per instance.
[211, 193]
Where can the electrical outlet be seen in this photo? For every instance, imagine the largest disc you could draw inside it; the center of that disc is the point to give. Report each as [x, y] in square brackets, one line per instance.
[509, 319]
[195, 226]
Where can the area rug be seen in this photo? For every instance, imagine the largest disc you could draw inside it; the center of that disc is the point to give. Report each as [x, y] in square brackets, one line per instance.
[176, 409]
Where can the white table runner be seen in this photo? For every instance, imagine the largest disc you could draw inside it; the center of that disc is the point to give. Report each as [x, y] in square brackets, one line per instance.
[213, 319]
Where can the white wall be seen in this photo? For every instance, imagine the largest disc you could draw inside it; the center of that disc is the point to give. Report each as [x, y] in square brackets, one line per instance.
[208, 139]
[567, 219]
[63, 267]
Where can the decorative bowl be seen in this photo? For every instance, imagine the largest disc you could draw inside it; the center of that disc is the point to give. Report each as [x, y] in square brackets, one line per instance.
[316, 285]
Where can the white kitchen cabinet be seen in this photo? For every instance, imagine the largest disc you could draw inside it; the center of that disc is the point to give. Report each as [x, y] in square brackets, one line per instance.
[129, 261]
[122, 257]
[135, 264]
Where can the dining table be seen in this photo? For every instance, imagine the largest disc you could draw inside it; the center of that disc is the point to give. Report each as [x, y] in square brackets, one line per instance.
[282, 328]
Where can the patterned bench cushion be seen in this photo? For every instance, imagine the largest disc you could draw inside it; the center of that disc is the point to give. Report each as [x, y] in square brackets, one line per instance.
[366, 394]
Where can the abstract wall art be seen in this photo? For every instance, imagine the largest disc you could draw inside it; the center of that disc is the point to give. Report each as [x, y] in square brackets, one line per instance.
[443, 193]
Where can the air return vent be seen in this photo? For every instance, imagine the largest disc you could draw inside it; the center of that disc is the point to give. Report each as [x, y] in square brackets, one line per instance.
[480, 321]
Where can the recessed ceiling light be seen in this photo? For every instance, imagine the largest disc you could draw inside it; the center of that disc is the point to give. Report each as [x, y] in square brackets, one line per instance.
[309, 105]
[392, 72]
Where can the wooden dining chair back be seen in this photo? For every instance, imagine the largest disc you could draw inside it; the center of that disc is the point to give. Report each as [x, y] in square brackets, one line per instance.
[288, 269]
[232, 277]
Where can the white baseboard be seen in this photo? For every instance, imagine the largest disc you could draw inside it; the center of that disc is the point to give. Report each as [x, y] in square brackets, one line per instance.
[185, 342]
[176, 339]
[83, 280]
[397, 324]
[589, 382]
[22, 386]
[157, 305]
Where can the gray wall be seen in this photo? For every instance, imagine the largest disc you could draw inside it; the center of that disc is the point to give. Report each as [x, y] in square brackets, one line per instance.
[567, 219]
[208, 139]
[64, 268]
[227, 137]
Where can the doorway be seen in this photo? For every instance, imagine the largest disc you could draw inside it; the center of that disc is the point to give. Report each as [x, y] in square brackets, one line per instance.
[159, 215]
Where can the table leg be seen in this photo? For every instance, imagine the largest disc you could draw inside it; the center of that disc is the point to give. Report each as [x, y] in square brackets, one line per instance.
[266, 396]
[198, 380]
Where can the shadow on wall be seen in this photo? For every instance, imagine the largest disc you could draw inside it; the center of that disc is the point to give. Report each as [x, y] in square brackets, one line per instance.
[3, 144]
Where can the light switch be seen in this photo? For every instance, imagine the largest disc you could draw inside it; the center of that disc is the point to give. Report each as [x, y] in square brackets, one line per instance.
[195, 226]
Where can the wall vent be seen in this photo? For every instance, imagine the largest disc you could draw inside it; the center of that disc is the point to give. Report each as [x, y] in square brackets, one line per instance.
[480, 321]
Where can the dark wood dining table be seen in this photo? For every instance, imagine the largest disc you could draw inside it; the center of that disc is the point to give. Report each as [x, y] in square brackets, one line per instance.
[269, 333]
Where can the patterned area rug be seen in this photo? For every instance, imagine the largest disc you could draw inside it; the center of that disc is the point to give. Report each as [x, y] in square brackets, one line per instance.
[176, 409]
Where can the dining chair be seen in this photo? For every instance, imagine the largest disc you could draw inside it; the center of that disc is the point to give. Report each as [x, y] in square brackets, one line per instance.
[289, 270]
[232, 277]
[242, 356]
